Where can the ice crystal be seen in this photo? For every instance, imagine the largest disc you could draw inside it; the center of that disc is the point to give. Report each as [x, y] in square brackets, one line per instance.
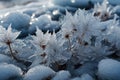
[8, 36]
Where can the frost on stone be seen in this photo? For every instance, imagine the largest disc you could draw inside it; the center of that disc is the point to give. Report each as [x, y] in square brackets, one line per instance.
[86, 77]
[39, 73]
[9, 71]
[44, 23]
[62, 75]
[109, 69]
[19, 21]
[77, 78]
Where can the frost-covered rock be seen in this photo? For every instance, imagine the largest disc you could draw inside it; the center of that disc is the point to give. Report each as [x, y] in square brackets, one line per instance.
[62, 75]
[18, 21]
[5, 59]
[39, 73]
[86, 77]
[109, 69]
[9, 71]
[44, 23]
[77, 78]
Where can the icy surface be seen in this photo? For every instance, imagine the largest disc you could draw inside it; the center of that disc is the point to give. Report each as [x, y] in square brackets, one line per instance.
[62, 75]
[44, 23]
[9, 71]
[86, 77]
[109, 69]
[39, 73]
[77, 78]
[18, 21]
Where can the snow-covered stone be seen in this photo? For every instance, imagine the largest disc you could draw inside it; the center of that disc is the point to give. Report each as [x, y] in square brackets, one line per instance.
[77, 78]
[86, 77]
[18, 21]
[9, 71]
[44, 23]
[62, 75]
[39, 73]
[109, 69]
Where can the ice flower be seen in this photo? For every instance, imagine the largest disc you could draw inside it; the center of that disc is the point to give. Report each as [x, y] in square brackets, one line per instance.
[70, 23]
[41, 39]
[88, 24]
[66, 32]
[8, 36]
[55, 51]
[103, 11]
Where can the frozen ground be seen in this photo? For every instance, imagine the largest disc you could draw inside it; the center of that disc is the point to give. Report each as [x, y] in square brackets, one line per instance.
[59, 40]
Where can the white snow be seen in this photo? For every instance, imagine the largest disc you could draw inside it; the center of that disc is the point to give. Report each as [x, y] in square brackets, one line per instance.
[39, 73]
[62, 75]
[8, 71]
[109, 69]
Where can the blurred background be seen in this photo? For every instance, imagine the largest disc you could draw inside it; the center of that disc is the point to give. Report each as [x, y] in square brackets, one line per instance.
[71, 3]
[25, 15]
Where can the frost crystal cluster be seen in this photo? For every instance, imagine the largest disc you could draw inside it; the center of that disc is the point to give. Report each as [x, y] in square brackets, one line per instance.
[81, 45]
